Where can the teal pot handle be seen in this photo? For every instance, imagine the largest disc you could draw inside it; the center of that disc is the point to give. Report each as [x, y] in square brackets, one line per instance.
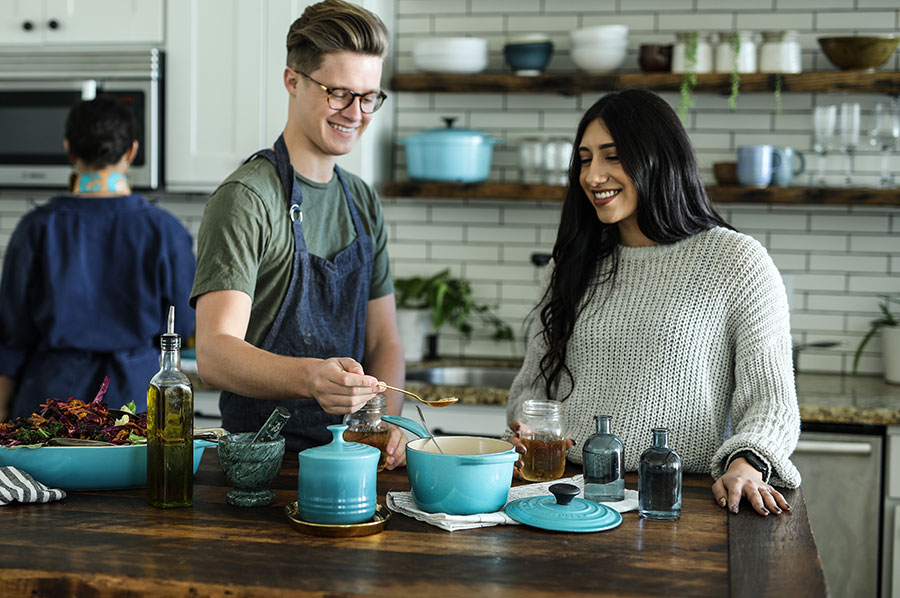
[407, 424]
[488, 459]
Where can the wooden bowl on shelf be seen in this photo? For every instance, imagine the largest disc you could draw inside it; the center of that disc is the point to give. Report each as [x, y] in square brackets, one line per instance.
[725, 173]
[858, 52]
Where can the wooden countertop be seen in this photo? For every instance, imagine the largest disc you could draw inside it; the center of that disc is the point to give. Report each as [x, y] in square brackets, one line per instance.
[111, 544]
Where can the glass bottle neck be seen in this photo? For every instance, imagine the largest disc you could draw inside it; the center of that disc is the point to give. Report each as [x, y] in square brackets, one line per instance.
[170, 359]
[602, 424]
[660, 437]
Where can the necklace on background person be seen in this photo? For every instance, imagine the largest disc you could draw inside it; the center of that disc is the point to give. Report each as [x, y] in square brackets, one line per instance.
[102, 181]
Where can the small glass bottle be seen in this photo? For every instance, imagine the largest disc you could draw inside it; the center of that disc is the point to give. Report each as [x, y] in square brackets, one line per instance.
[366, 427]
[659, 480]
[170, 427]
[545, 446]
[602, 458]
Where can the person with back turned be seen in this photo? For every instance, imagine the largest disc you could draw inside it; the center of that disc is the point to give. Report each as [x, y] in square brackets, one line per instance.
[89, 276]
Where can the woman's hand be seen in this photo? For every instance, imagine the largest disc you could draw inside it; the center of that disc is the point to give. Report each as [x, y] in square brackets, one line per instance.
[520, 448]
[742, 479]
[396, 449]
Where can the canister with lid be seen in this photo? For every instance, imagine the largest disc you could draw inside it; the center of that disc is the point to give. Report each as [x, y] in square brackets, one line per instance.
[692, 53]
[745, 61]
[780, 52]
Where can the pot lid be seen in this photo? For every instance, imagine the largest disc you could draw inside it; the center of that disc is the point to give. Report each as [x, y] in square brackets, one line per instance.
[451, 134]
[563, 512]
[339, 448]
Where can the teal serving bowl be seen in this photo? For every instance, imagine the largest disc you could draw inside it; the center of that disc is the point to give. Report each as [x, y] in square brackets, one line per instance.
[88, 467]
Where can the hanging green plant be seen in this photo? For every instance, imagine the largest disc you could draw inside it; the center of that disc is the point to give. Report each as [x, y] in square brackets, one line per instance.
[777, 93]
[689, 78]
[735, 76]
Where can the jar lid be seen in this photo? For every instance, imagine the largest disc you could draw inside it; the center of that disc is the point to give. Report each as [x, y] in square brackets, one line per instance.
[563, 512]
[340, 449]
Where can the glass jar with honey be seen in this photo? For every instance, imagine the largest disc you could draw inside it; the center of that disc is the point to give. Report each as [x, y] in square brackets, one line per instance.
[365, 426]
[541, 432]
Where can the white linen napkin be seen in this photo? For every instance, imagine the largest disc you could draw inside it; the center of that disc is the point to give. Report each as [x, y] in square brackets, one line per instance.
[403, 502]
[16, 484]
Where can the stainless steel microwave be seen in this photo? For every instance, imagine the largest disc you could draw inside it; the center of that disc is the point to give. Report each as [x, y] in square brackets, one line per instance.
[37, 89]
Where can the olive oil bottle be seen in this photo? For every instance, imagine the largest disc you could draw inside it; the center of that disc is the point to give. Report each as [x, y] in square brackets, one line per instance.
[170, 427]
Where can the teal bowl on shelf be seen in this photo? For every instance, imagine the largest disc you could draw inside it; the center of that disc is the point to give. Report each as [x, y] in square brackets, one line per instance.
[528, 59]
[88, 467]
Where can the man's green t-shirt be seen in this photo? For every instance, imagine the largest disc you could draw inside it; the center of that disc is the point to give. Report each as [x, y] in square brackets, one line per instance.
[245, 241]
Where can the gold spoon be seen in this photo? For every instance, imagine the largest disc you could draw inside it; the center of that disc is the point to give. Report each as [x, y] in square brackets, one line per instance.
[439, 403]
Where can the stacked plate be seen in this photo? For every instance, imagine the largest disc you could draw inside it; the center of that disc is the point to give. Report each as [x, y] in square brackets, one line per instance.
[599, 49]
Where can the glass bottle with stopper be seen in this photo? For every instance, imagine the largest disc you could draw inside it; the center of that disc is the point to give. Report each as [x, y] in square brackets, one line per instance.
[603, 458]
[170, 427]
[659, 480]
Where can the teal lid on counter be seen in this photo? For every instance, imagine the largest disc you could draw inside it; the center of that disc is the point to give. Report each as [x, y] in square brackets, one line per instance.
[563, 512]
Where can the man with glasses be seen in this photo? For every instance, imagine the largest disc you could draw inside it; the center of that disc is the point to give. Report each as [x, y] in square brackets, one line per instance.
[294, 300]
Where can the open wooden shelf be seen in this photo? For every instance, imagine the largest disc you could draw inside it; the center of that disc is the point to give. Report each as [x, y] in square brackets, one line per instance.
[886, 82]
[719, 194]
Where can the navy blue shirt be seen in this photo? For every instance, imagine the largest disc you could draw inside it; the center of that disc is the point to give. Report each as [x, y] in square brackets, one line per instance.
[87, 283]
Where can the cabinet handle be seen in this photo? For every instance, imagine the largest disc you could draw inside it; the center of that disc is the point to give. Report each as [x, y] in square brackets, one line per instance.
[27, 25]
[833, 448]
[53, 24]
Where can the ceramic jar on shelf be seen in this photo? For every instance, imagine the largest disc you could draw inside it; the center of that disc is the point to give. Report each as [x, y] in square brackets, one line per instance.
[780, 52]
[744, 43]
[692, 53]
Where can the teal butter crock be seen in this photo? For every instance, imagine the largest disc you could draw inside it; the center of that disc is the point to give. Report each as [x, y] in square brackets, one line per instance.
[336, 481]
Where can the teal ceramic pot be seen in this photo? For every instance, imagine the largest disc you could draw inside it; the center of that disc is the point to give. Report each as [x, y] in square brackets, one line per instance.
[336, 482]
[250, 467]
[473, 475]
[449, 154]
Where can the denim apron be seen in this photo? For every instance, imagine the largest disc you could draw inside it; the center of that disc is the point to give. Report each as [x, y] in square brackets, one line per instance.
[323, 315]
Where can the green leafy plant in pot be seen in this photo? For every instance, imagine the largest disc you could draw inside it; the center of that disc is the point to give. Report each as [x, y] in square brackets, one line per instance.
[889, 325]
[448, 300]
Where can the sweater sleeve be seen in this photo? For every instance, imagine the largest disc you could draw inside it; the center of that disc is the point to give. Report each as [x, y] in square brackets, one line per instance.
[528, 384]
[765, 417]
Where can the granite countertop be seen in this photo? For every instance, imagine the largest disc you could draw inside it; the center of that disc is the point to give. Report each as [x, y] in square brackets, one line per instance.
[823, 398]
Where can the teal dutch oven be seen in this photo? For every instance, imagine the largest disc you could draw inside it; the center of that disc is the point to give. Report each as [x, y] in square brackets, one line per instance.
[336, 482]
[449, 154]
[473, 475]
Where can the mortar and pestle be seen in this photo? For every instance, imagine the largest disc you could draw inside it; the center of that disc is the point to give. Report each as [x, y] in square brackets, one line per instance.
[251, 461]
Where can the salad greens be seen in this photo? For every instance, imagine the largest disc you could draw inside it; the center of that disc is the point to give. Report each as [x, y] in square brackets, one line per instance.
[73, 418]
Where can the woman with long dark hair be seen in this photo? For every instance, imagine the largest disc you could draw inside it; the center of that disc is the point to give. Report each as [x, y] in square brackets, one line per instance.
[657, 312]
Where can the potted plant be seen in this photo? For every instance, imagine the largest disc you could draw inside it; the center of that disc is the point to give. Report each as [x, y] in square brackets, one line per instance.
[889, 325]
[425, 304]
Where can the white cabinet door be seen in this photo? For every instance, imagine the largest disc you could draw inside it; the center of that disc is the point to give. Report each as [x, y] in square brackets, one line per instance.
[215, 89]
[50, 22]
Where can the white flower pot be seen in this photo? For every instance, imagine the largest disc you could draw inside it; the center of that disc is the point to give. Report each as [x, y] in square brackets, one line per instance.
[414, 325]
[890, 352]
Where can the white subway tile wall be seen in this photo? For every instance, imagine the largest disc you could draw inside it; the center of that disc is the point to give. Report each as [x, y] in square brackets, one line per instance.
[837, 260]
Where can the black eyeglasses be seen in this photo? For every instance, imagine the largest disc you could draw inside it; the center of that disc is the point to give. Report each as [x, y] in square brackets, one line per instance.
[338, 99]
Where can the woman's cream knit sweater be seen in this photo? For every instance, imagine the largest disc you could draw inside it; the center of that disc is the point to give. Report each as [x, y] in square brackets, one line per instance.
[692, 336]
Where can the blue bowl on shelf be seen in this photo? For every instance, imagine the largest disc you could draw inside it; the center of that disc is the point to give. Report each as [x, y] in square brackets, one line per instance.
[528, 59]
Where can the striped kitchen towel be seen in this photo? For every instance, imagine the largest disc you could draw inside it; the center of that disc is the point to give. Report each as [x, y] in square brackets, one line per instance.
[16, 484]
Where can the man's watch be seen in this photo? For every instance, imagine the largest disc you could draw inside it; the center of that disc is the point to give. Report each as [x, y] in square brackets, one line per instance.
[754, 461]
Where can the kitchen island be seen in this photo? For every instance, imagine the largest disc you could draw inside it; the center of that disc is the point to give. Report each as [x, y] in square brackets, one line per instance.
[111, 544]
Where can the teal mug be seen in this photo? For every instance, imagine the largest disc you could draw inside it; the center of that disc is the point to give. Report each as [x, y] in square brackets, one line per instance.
[785, 171]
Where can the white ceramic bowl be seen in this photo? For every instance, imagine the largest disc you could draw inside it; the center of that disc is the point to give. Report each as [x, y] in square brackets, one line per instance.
[598, 59]
[600, 33]
[451, 55]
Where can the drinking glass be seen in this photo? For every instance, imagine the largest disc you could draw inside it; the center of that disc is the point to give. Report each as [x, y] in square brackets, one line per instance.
[849, 135]
[884, 134]
[824, 122]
